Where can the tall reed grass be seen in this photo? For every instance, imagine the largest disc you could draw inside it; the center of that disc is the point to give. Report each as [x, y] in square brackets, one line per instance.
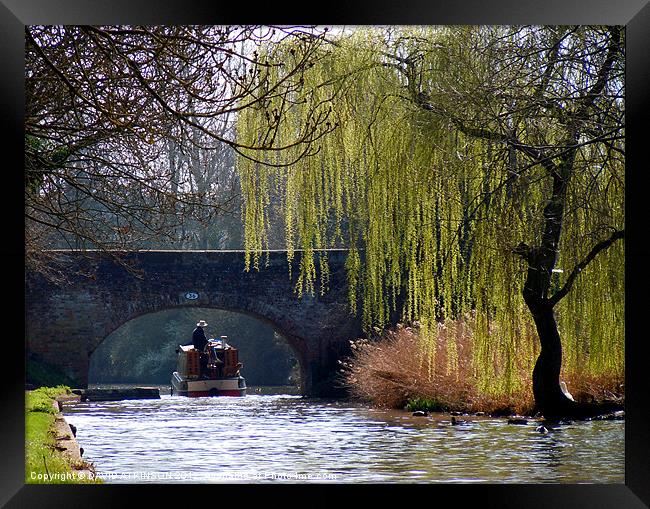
[395, 370]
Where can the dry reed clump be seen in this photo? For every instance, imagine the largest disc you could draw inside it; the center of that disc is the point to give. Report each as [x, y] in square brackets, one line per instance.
[393, 370]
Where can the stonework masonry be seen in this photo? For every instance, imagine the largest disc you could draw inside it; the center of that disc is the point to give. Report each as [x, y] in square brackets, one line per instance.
[66, 322]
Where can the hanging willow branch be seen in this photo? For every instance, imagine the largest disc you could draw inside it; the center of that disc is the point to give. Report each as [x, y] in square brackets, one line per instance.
[419, 182]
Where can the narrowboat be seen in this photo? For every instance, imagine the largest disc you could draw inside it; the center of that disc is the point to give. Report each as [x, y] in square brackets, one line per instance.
[213, 372]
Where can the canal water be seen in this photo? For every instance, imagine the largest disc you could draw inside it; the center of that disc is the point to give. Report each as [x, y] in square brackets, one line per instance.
[285, 438]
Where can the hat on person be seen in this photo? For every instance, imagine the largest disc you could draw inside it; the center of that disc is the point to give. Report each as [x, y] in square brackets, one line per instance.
[202, 324]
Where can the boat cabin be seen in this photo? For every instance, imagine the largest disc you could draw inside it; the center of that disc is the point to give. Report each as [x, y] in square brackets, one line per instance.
[213, 372]
[219, 360]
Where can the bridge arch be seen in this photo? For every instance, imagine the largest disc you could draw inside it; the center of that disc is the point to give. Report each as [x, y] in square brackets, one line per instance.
[66, 323]
[143, 349]
[297, 345]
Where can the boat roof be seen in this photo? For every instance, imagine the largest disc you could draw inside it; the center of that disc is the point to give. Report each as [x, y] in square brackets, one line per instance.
[187, 348]
[218, 343]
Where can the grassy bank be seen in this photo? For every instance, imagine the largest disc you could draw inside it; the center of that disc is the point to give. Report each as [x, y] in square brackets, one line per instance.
[44, 463]
[393, 372]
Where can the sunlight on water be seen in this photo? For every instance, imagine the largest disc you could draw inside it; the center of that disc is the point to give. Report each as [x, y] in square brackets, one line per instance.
[287, 438]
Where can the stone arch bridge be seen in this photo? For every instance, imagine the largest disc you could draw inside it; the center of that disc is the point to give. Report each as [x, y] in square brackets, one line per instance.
[66, 322]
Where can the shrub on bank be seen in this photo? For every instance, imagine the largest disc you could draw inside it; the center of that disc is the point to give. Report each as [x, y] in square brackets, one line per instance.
[40, 373]
[394, 371]
[423, 404]
[41, 399]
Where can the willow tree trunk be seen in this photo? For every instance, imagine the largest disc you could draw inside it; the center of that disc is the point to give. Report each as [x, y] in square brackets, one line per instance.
[550, 400]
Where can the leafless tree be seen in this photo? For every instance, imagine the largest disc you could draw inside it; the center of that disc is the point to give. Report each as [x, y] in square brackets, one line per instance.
[129, 129]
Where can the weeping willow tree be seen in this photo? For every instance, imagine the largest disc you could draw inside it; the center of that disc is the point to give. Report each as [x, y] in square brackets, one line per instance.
[469, 170]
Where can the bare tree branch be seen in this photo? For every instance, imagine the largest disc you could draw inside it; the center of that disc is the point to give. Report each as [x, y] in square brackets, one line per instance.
[601, 246]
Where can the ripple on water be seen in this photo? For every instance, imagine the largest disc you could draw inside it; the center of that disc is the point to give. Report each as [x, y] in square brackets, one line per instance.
[264, 437]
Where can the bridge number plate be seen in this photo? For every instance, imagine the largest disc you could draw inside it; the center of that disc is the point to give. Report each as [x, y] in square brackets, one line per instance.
[191, 296]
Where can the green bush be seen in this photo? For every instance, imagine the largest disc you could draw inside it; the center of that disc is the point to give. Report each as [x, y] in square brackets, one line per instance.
[424, 404]
[41, 373]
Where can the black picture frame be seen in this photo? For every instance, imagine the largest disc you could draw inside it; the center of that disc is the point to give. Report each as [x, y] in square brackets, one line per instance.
[634, 14]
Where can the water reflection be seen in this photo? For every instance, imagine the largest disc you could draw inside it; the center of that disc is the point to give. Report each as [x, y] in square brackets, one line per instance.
[286, 438]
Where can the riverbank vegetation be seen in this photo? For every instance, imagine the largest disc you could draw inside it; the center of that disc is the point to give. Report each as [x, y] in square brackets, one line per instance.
[393, 371]
[44, 463]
